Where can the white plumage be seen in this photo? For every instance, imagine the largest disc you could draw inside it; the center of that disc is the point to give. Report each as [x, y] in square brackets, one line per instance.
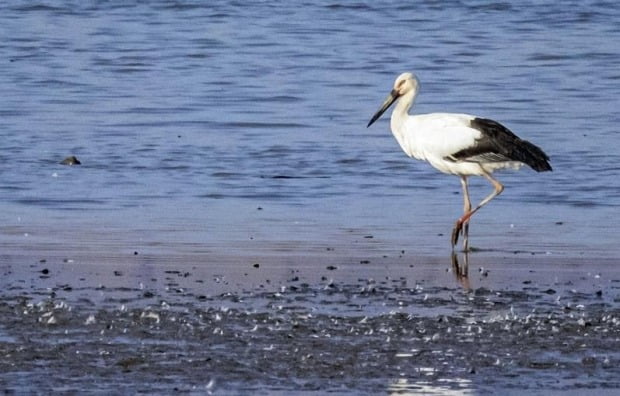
[457, 144]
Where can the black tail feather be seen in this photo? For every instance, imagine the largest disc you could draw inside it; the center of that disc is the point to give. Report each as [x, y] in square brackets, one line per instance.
[499, 139]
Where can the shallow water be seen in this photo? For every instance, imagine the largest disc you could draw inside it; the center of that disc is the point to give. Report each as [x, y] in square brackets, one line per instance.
[190, 112]
[234, 133]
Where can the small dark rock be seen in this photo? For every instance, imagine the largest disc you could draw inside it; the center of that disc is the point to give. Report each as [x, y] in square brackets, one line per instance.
[256, 265]
[331, 267]
[72, 160]
[541, 365]
[45, 271]
[130, 362]
[588, 361]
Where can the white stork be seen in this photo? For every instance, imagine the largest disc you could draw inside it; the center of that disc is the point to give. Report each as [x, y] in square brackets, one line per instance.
[458, 144]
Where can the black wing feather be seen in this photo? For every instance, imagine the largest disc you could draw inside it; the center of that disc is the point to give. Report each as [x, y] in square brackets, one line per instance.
[499, 144]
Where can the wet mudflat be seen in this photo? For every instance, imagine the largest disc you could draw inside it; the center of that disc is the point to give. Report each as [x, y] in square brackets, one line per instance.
[327, 324]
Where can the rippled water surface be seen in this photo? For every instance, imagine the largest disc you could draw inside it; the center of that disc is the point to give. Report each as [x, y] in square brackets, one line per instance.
[184, 115]
[239, 128]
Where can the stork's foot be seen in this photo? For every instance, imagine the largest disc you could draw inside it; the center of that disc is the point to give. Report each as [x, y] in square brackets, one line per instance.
[456, 231]
[461, 227]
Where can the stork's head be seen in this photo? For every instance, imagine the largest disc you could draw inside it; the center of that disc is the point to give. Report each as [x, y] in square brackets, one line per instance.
[405, 83]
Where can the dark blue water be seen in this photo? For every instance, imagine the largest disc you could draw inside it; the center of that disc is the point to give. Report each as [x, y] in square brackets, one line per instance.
[242, 126]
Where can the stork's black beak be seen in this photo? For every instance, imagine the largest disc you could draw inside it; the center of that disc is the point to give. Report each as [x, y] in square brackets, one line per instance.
[386, 104]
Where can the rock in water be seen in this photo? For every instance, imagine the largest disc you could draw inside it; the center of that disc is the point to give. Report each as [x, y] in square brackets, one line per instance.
[72, 160]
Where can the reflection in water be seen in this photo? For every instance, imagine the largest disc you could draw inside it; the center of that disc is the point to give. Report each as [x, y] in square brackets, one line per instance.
[461, 272]
[456, 386]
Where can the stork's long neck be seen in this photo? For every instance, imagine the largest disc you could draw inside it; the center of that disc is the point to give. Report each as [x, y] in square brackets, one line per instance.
[401, 111]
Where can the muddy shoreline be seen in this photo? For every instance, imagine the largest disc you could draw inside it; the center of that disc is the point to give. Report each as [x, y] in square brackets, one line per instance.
[198, 323]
